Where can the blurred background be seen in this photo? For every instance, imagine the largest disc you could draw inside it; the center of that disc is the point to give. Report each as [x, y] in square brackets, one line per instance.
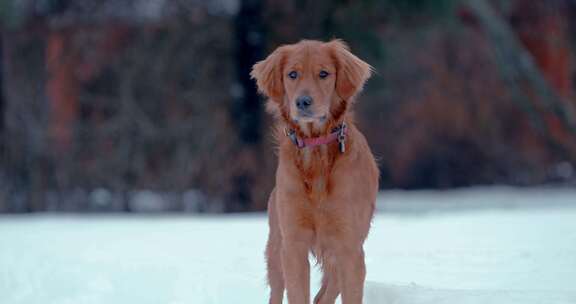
[114, 110]
[147, 105]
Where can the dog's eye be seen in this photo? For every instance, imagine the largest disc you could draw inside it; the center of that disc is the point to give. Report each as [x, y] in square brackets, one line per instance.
[323, 74]
[293, 75]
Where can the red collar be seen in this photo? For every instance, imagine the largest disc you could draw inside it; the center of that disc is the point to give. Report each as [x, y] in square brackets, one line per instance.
[338, 134]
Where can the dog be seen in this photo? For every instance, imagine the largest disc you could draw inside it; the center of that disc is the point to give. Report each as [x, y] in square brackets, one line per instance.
[327, 177]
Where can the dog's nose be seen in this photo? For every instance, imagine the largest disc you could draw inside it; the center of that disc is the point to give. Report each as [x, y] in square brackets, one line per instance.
[303, 102]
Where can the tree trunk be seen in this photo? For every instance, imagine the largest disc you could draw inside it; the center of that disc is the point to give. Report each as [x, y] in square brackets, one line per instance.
[518, 64]
[3, 158]
[1, 99]
[529, 87]
[247, 107]
[26, 119]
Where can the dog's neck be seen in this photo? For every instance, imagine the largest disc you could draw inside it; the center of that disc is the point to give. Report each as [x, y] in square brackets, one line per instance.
[317, 155]
[315, 129]
[315, 163]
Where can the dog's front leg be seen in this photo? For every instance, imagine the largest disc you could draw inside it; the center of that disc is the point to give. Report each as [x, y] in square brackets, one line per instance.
[296, 271]
[352, 273]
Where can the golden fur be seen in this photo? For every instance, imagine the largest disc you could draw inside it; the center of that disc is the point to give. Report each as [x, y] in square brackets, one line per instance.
[323, 200]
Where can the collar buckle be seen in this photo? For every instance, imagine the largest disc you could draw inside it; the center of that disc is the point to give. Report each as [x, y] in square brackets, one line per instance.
[342, 138]
[292, 135]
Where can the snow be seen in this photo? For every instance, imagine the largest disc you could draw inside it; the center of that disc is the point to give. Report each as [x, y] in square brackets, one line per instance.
[490, 245]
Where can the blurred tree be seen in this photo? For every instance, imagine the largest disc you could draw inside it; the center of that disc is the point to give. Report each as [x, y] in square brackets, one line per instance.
[517, 65]
[250, 39]
[26, 114]
[247, 108]
[108, 102]
[1, 95]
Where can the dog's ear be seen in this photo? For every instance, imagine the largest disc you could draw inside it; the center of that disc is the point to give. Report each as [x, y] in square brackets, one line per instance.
[268, 74]
[351, 71]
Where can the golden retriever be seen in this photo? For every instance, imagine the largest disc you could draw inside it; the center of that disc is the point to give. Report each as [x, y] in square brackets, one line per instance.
[327, 178]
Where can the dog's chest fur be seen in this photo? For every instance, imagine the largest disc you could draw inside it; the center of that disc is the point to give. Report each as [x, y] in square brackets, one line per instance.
[315, 166]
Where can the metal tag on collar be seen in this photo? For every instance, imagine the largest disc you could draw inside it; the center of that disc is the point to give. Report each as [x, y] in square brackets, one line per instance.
[342, 138]
[292, 135]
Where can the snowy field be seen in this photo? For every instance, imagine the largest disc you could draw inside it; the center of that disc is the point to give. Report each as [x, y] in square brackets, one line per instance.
[475, 246]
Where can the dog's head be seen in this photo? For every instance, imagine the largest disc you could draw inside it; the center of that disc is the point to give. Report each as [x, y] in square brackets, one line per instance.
[311, 81]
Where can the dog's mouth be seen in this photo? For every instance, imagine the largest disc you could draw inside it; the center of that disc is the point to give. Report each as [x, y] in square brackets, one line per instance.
[309, 116]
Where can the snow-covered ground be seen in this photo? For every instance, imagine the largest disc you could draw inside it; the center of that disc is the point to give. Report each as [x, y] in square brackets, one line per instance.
[491, 245]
